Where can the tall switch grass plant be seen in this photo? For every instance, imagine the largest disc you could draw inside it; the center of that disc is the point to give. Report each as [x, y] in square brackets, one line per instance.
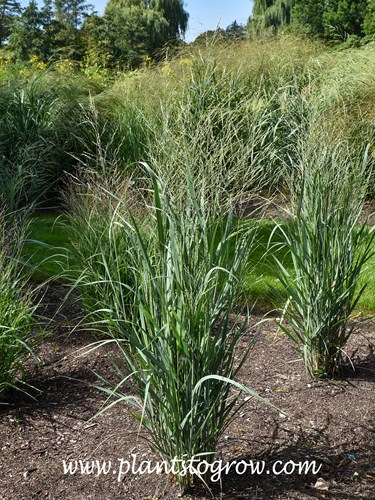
[178, 340]
[329, 250]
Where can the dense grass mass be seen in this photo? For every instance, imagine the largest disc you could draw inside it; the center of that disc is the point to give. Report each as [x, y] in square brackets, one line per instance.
[232, 112]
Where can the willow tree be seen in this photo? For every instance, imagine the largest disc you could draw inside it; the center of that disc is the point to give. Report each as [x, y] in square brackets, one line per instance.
[336, 19]
[272, 13]
[161, 21]
[174, 13]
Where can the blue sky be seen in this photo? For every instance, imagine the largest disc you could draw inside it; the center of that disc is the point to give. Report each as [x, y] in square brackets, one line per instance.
[208, 14]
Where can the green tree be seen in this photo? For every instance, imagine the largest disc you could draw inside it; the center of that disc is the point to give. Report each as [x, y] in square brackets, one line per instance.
[210, 36]
[98, 41]
[326, 18]
[174, 13]
[70, 15]
[272, 13]
[26, 38]
[369, 21]
[148, 25]
[9, 10]
[72, 12]
[117, 41]
[307, 17]
[36, 32]
[52, 39]
[235, 30]
[344, 17]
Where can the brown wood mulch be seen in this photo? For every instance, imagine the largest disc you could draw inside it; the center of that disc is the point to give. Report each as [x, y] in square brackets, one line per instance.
[329, 421]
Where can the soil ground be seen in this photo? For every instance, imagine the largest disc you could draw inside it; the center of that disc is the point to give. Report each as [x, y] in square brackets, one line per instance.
[329, 421]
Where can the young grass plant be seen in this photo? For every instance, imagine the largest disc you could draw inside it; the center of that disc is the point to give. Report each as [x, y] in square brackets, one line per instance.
[329, 252]
[178, 340]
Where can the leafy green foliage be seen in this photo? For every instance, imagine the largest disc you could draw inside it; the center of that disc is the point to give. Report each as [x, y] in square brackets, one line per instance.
[369, 21]
[174, 13]
[307, 17]
[128, 33]
[332, 19]
[26, 39]
[272, 13]
[45, 33]
[143, 28]
[344, 17]
[71, 15]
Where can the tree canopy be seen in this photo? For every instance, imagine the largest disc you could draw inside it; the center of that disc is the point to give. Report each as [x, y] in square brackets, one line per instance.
[129, 32]
[160, 21]
[132, 31]
[330, 19]
[9, 9]
[272, 13]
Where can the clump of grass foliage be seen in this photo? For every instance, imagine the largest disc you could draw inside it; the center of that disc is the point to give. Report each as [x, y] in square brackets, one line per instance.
[329, 251]
[40, 118]
[98, 250]
[232, 119]
[169, 313]
[17, 338]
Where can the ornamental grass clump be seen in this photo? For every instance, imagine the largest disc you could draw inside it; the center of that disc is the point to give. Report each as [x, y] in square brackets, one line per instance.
[178, 340]
[99, 250]
[17, 339]
[40, 119]
[329, 251]
[235, 134]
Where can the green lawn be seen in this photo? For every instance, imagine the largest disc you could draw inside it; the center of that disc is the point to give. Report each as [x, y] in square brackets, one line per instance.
[47, 249]
[52, 254]
[262, 278]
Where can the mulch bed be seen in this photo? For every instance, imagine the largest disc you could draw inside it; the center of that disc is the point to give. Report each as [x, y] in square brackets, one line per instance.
[330, 421]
